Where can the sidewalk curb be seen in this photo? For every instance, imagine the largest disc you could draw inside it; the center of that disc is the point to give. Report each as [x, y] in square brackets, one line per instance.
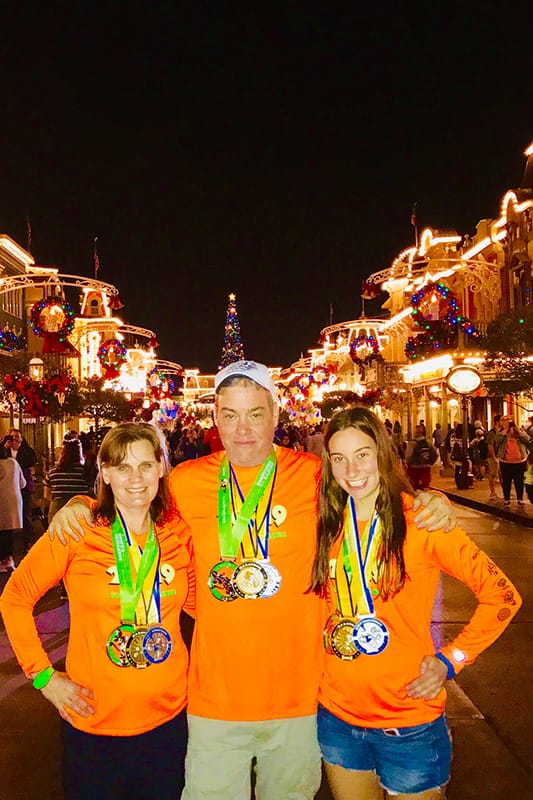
[496, 511]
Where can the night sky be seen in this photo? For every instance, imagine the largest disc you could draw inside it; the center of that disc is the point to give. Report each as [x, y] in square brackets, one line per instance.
[274, 153]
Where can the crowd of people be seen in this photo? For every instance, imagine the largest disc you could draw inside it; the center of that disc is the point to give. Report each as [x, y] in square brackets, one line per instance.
[339, 558]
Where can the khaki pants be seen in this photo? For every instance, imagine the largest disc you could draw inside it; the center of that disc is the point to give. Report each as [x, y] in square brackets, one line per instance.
[219, 758]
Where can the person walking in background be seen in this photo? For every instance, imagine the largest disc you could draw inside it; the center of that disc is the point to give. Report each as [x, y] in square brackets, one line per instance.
[212, 440]
[510, 445]
[68, 478]
[528, 478]
[381, 718]
[398, 440]
[420, 457]
[19, 449]
[122, 697]
[12, 483]
[456, 453]
[479, 452]
[493, 466]
[438, 439]
[314, 441]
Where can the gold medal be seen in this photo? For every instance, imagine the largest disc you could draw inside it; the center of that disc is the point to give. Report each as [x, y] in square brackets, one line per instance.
[339, 638]
[250, 580]
[135, 650]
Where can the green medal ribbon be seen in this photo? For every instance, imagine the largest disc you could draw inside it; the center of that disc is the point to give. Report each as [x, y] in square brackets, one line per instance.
[230, 536]
[130, 595]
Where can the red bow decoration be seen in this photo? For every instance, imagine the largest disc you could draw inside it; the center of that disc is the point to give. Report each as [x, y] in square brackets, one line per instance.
[115, 302]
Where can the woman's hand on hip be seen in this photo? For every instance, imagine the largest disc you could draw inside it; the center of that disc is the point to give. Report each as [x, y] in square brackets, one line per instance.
[68, 696]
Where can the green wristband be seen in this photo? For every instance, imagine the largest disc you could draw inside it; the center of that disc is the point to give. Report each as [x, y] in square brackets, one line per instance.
[42, 678]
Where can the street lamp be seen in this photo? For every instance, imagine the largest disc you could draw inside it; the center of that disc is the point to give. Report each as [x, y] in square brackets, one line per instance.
[464, 380]
[36, 369]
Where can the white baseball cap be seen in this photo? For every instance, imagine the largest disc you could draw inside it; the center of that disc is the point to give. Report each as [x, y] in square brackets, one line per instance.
[256, 372]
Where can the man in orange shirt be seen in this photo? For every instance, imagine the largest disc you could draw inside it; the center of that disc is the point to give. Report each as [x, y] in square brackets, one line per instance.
[257, 648]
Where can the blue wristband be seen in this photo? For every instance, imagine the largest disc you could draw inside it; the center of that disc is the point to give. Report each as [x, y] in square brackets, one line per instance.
[448, 664]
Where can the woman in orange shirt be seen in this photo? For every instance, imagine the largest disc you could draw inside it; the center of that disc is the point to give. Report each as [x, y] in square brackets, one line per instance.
[122, 697]
[381, 722]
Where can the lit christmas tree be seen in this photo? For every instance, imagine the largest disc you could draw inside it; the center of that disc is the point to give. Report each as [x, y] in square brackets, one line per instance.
[232, 349]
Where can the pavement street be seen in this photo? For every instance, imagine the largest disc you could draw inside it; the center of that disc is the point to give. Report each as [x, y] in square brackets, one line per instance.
[490, 705]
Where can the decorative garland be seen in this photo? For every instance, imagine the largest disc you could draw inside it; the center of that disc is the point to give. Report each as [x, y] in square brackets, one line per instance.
[439, 333]
[112, 354]
[370, 343]
[304, 382]
[9, 340]
[37, 318]
[35, 396]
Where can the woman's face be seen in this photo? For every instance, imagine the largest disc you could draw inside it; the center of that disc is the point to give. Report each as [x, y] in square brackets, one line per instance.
[354, 463]
[135, 481]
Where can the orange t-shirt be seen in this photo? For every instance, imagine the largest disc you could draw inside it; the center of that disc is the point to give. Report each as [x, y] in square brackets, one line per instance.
[255, 659]
[370, 691]
[128, 701]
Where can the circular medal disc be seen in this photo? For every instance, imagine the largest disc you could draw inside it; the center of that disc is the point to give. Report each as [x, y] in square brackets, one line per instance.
[342, 640]
[157, 644]
[250, 580]
[274, 579]
[135, 651]
[117, 643]
[371, 636]
[220, 581]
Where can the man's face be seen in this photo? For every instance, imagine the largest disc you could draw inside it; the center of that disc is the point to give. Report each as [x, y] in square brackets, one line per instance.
[246, 417]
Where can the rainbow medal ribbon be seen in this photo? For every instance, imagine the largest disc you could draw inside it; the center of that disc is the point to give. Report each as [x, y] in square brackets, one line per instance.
[140, 640]
[253, 578]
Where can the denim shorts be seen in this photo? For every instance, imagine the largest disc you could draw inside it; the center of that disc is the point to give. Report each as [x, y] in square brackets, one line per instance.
[406, 760]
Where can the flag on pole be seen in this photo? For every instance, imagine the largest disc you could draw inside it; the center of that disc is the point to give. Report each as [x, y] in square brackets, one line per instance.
[28, 232]
[96, 259]
[413, 216]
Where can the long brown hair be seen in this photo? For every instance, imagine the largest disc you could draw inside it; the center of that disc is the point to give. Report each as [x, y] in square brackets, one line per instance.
[333, 499]
[112, 453]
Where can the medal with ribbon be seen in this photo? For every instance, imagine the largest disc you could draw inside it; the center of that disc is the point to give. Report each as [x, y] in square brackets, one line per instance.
[354, 629]
[254, 577]
[139, 640]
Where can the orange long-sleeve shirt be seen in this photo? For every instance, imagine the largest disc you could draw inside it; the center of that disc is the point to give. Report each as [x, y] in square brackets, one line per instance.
[128, 701]
[370, 691]
[255, 659]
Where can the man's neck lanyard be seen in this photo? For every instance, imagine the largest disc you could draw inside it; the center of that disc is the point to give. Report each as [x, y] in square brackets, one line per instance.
[255, 539]
[255, 576]
[231, 535]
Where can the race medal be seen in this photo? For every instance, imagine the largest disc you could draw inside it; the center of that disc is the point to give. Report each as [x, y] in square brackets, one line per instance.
[338, 638]
[371, 636]
[274, 579]
[157, 644]
[342, 640]
[135, 650]
[220, 581]
[117, 643]
[250, 580]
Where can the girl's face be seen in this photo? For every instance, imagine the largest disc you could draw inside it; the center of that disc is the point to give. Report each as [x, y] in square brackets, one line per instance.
[354, 463]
